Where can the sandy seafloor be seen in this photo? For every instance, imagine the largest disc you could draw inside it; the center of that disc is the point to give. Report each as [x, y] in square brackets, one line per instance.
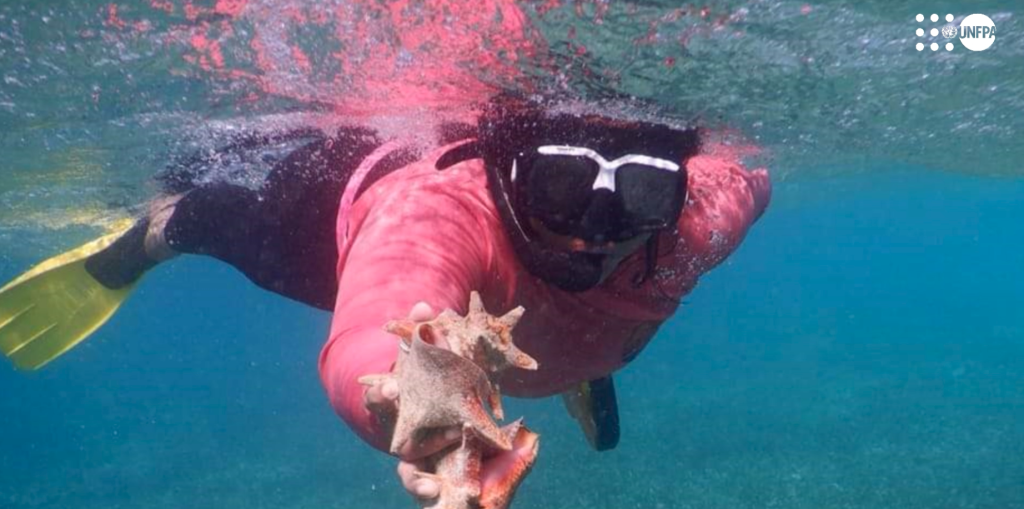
[863, 349]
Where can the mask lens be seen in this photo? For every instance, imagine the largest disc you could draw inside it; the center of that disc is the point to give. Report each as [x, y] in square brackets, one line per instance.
[650, 195]
[559, 190]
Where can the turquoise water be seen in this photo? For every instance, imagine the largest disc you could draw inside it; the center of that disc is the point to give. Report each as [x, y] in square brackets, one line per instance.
[863, 349]
[858, 352]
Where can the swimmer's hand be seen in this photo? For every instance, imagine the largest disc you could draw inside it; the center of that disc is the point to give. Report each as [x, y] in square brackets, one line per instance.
[382, 401]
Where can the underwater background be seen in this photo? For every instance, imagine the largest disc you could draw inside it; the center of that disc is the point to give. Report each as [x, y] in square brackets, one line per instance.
[864, 348]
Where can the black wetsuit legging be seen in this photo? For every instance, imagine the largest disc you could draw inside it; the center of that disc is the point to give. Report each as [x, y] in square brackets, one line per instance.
[282, 236]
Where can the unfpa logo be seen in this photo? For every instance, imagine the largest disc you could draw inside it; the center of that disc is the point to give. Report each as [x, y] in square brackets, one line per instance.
[977, 32]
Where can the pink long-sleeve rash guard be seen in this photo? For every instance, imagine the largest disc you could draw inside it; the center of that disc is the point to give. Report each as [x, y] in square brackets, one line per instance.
[420, 234]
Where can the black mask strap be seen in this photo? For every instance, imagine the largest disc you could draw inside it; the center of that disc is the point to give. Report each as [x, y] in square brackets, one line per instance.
[464, 152]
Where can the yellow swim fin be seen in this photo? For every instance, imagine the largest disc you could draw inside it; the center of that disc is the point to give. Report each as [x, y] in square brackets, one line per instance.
[57, 304]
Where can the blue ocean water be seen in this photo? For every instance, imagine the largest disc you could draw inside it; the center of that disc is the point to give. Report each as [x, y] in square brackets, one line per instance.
[864, 348]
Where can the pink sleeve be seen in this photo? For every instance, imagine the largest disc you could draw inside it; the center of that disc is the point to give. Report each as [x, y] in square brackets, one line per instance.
[725, 200]
[419, 245]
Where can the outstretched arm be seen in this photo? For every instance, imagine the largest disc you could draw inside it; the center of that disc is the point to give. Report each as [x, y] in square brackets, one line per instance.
[422, 244]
